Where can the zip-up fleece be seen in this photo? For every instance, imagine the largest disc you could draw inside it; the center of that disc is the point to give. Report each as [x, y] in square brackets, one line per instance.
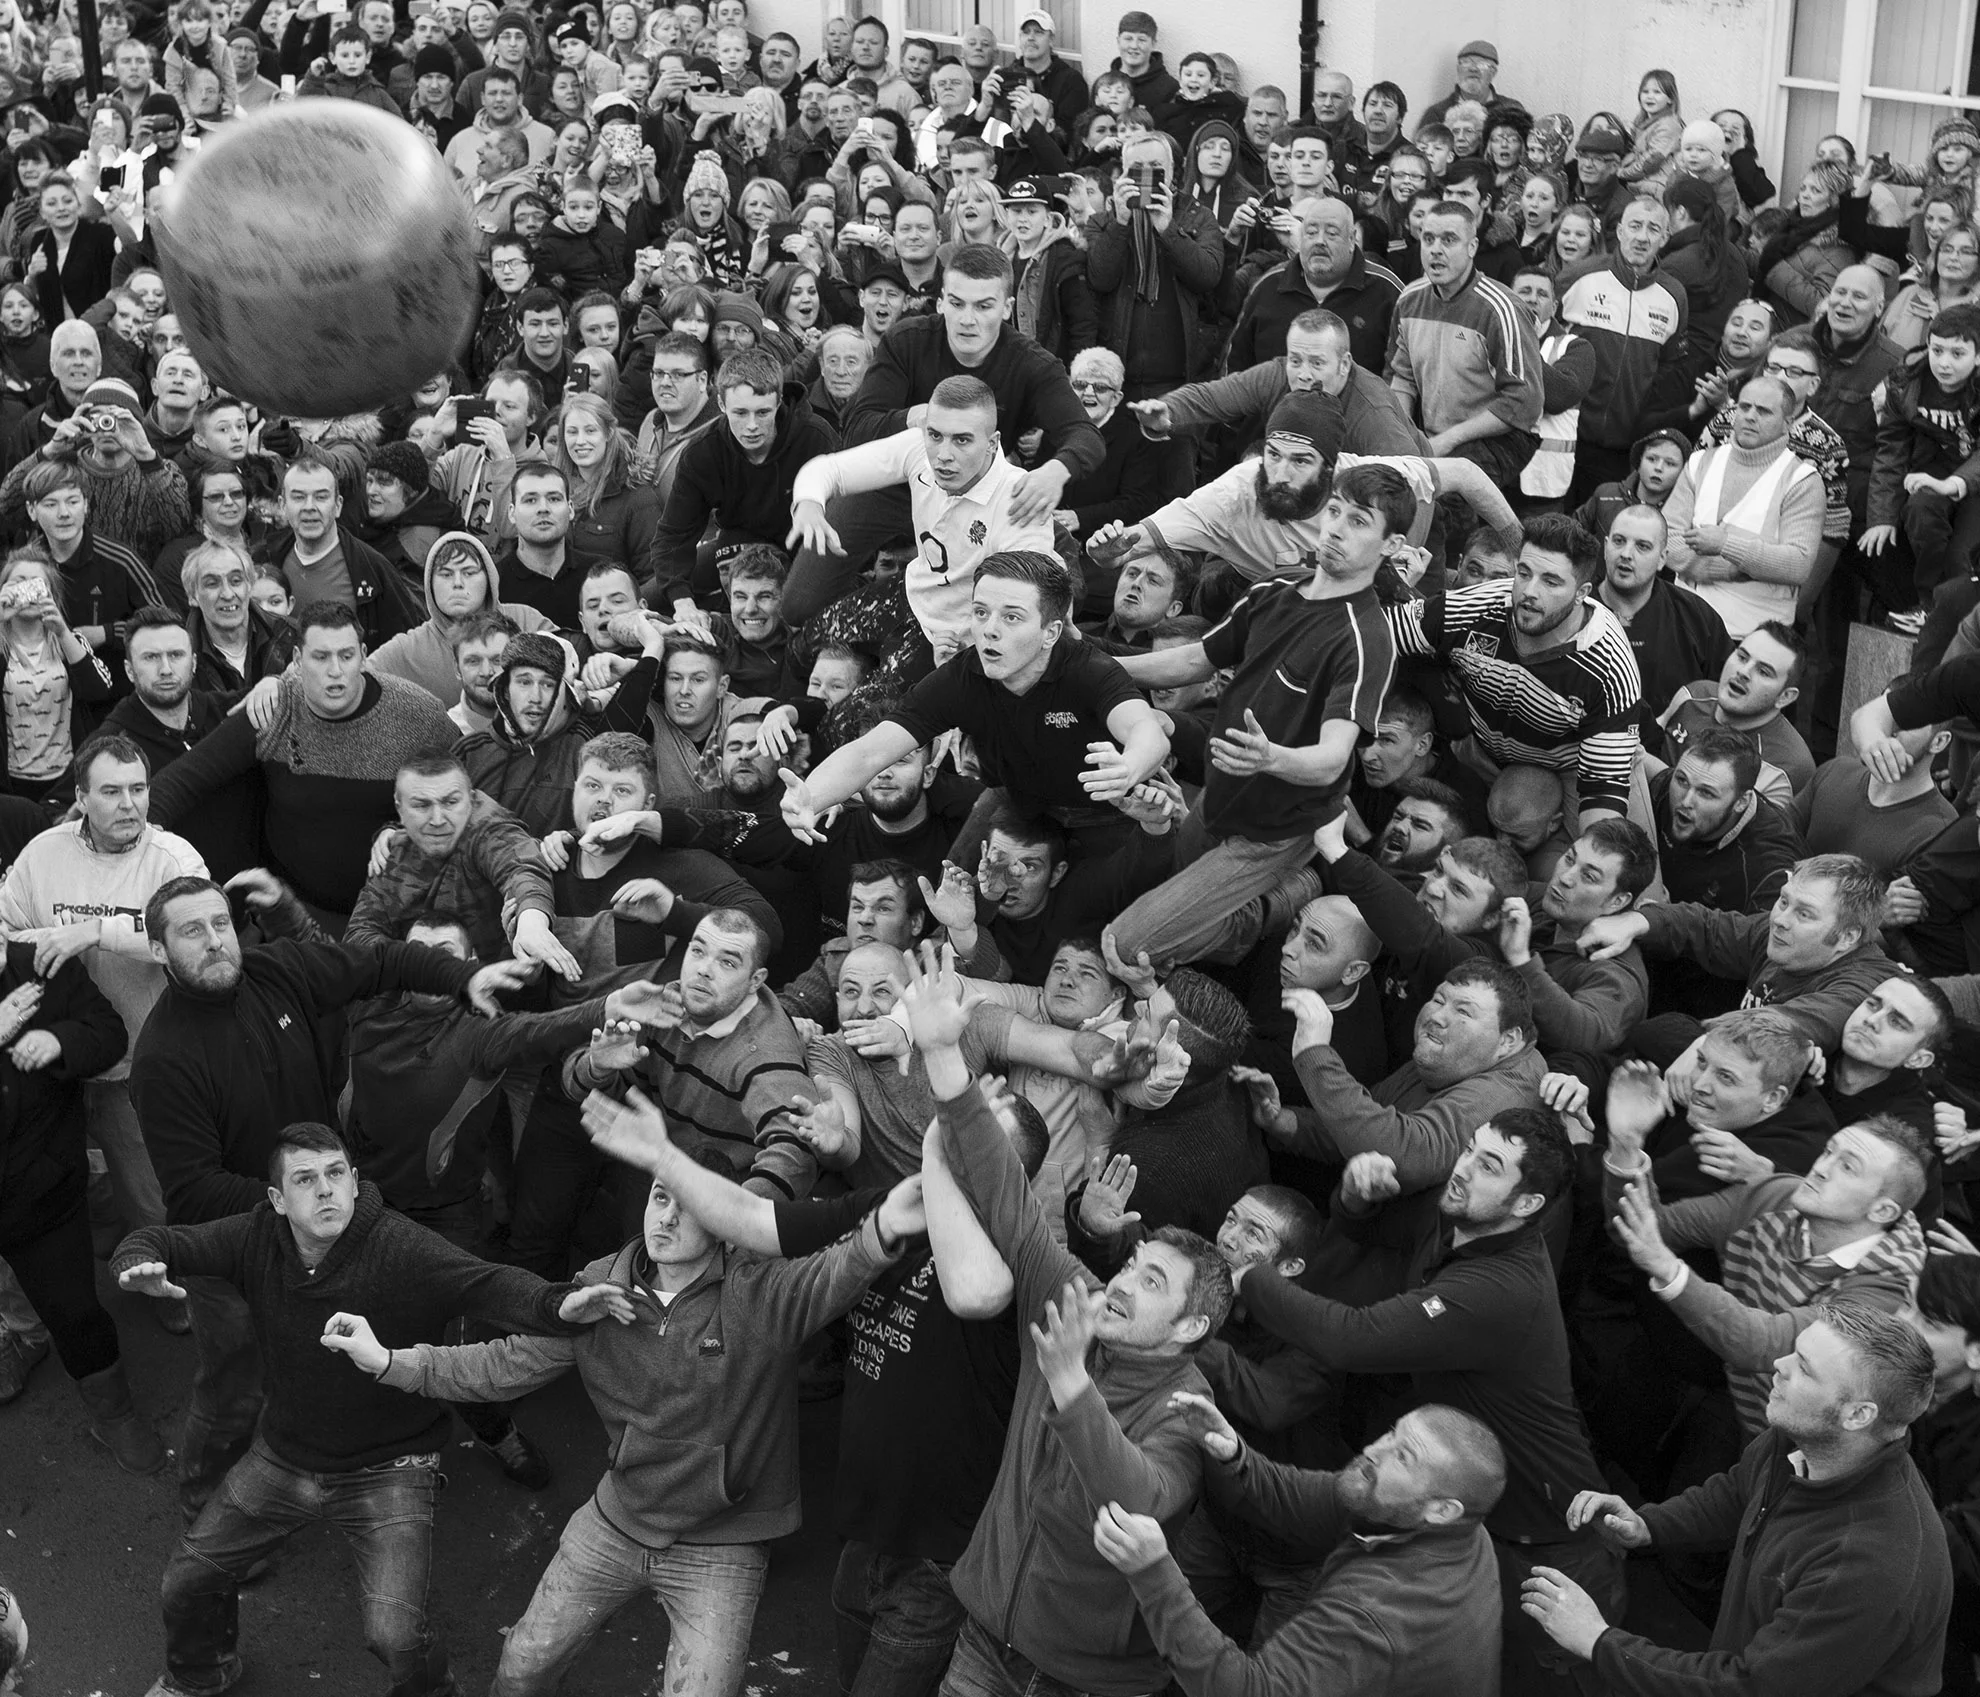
[1636, 326]
[698, 1397]
[1031, 1577]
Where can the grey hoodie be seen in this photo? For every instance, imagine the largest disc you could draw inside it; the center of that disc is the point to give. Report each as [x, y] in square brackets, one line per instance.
[424, 655]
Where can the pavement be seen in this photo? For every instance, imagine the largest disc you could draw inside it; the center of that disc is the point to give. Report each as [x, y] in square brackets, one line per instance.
[82, 1545]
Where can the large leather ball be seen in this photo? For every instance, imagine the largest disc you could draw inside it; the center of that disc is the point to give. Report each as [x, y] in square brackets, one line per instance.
[320, 258]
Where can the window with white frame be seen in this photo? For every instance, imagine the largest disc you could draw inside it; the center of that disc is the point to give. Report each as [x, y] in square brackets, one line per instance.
[1885, 73]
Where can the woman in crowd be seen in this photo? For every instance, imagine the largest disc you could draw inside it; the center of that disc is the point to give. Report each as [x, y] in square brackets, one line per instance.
[615, 512]
[52, 685]
[1795, 266]
[1949, 276]
[1541, 204]
[1211, 178]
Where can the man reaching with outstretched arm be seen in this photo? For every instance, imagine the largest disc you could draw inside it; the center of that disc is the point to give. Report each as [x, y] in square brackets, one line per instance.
[1091, 1420]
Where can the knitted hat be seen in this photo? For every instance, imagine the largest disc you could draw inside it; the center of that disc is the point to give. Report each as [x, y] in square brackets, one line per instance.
[161, 106]
[1676, 438]
[403, 461]
[1314, 418]
[734, 308]
[571, 29]
[1956, 132]
[434, 61]
[242, 34]
[113, 392]
[1604, 133]
[1702, 132]
[614, 107]
[1555, 133]
[1479, 50]
[514, 19]
[705, 173]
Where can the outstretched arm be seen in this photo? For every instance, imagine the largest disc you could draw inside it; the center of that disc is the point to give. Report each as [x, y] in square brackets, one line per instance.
[635, 1131]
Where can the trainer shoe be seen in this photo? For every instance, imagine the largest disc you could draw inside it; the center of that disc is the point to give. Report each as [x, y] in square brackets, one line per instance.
[520, 1460]
[167, 1686]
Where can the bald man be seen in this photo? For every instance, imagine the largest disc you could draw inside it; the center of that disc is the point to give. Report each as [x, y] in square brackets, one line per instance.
[1330, 950]
[75, 360]
[1856, 359]
[1528, 812]
[1675, 635]
[1327, 269]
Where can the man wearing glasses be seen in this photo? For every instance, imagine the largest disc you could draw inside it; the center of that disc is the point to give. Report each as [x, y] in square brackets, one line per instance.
[1327, 269]
[683, 406]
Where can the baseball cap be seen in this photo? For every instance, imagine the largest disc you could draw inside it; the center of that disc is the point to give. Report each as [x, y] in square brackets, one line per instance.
[1479, 50]
[887, 272]
[1043, 19]
[1044, 190]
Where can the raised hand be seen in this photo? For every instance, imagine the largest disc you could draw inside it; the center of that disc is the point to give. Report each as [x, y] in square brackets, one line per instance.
[615, 1047]
[495, 979]
[149, 1278]
[903, 1212]
[777, 735]
[1609, 936]
[644, 898]
[257, 886]
[613, 828]
[1313, 1020]
[1370, 1179]
[1244, 753]
[1615, 1522]
[592, 1303]
[633, 1131]
[1639, 1102]
[952, 903]
[659, 1007]
[1723, 1157]
[1216, 1434]
[1141, 978]
[1268, 1112]
[1641, 1237]
[801, 812]
[933, 999]
[351, 1334]
[809, 530]
[1103, 1210]
[1108, 776]
[822, 1126]
[1154, 803]
[1062, 1341]
[1515, 931]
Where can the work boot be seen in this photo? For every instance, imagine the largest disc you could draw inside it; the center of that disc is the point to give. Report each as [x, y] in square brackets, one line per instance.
[18, 1358]
[519, 1459]
[115, 1423]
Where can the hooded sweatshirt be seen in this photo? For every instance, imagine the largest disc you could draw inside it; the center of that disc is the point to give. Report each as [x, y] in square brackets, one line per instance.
[532, 775]
[424, 655]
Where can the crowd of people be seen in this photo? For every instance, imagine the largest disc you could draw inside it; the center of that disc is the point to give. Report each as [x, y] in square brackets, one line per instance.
[1154, 785]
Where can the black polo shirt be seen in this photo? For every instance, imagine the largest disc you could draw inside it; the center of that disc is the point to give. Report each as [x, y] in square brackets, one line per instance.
[1031, 746]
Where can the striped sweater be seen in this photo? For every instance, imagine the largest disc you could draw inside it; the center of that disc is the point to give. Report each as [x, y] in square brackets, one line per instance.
[1774, 1279]
[1572, 706]
[1470, 352]
[729, 1088]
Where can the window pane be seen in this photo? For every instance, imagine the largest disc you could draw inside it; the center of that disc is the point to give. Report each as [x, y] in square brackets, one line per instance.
[1815, 48]
[1921, 44]
[1810, 117]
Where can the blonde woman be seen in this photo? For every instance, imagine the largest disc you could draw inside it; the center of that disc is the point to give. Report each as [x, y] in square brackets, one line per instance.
[974, 212]
[615, 509]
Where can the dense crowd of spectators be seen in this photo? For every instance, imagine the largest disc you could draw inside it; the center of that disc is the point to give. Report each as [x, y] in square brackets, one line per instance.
[1155, 785]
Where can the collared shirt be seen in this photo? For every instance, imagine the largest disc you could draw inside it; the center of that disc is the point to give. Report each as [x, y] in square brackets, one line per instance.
[952, 533]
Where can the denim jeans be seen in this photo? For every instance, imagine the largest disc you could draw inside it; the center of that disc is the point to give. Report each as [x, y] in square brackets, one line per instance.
[708, 1590]
[387, 1514]
[984, 1668]
[113, 1128]
[226, 1390]
[52, 1280]
[1196, 915]
[897, 1623]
